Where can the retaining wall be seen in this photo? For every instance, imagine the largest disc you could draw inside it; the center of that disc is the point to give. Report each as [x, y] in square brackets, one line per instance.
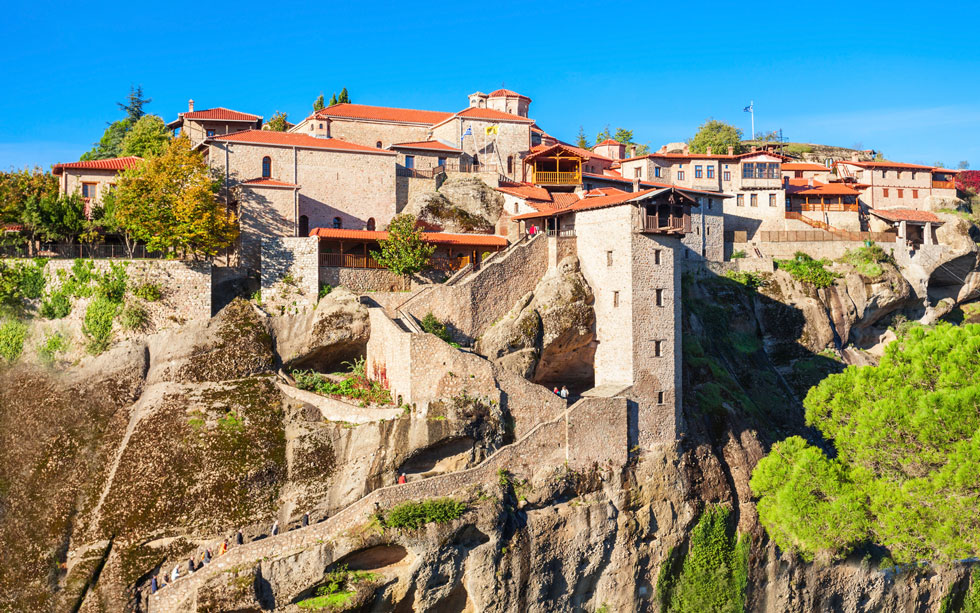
[290, 272]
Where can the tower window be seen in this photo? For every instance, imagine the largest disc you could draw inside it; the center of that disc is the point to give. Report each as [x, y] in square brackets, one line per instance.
[337, 223]
[609, 258]
[304, 225]
[656, 256]
[266, 167]
[658, 349]
[370, 224]
[660, 297]
[615, 299]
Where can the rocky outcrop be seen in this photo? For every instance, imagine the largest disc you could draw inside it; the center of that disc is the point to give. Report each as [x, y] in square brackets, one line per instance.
[335, 332]
[462, 204]
[549, 336]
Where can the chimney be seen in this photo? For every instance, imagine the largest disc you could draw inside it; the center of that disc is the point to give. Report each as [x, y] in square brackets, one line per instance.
[636, 184]
[663, 149]
[190, 105]
[855, 157]
[731, 150]
[632, 151]
[709, 149]
[686, 149]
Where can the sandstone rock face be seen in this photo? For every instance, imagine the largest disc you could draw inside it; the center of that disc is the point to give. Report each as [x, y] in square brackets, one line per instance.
[549, 336]
[335, 332]
[462, 204]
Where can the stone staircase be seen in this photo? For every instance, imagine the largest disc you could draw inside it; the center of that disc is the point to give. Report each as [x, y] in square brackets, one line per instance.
[547, 443]
[816, 223]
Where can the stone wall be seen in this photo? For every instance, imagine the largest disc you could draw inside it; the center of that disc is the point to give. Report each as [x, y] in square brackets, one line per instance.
[817, 249]
[360, 280]
[707, 237]
[472, 305]
[185, 286]
[290, 273]
[369, 133]
[263, 212]
[406, 187]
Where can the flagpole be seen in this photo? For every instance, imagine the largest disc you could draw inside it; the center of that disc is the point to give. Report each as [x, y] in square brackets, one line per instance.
[752, 113]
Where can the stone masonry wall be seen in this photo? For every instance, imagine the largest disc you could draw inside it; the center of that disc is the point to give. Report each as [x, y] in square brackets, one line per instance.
[290, 273]
[185, 286]
[368, 133]
[360, 280]
[472, 305]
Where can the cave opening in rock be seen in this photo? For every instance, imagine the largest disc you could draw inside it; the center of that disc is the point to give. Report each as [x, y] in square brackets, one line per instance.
[446, 456]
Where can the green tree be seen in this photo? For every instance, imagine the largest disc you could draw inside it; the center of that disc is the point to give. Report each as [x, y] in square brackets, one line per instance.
[343, 97]
[582, 141]
[110, 145]
[169, 204]
[52, 217]
[318, 104]
[623, 136]
[278, 123]
[17, 187]
[147, 137]
[405, 251]
[718, 135]
[134, 104]
[906, 472]
[603, 136]
[333, 99]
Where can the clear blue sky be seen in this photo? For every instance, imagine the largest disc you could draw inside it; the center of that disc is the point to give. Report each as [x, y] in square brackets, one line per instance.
[893, 76]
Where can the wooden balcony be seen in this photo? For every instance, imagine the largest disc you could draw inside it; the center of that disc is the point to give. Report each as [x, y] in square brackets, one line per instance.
[830, 207]
[348, 260]
[944, 185]
[542, 177]
[667, 224]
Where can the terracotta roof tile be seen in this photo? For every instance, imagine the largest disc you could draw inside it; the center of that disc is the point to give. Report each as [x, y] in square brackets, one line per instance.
[427, 144]
[262, 182]
[609, 141]
[906, 215]
[221, 114]
[875, 165]
[436, 238]
[269, 137]
[804, 166]
[382, 113]
[503, 93]
[802, 187]
[109, 164]
[493, 115]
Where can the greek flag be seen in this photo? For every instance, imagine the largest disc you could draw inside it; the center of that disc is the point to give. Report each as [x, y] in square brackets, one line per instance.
[748, 109]
[468, 132]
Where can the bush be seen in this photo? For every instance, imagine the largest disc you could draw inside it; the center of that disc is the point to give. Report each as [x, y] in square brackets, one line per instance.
[52, 345]
[805, 269]
[12, 335]
[32, 279]
[150, 292]
[97, 325]
[356, 385]
[435, 327]
[19, 283]
[133, 317]
[111, 285]
[56, 305]
[750, 280]
[413, 515]
[738, 255]
[868, 260]
[340, 588]
[324, 290]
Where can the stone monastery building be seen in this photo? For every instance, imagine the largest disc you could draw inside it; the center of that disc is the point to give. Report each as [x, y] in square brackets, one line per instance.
[321, 194]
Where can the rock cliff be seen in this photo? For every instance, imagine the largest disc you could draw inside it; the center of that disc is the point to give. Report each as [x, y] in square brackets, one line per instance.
[461, 204]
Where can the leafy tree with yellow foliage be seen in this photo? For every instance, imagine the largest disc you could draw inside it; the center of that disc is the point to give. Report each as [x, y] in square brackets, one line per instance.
[169, 204]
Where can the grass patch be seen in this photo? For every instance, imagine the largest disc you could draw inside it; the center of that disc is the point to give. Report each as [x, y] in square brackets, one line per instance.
[53, 344]
[151, 292]
[750, 280]
[413, 515]
[738, 254]
[97, 325]
[340, 588]
[133, 317]
[805, 269]
[355, 386]
[744, 342]
[12, 336]
[868, 260]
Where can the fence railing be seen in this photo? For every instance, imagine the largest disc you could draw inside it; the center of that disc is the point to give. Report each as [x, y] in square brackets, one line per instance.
[557, 178]
[348, 260]
[561, 233]
[829, 207]
[420, 173]
[667, 223]
[795, 236]
[82, 250]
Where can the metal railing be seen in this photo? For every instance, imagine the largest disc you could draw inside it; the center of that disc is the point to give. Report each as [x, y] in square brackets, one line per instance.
[348, 260]
[84, 250]
[420, 173]
[557, 178]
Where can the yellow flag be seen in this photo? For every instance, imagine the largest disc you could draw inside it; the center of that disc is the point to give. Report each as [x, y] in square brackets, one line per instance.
[490, 130]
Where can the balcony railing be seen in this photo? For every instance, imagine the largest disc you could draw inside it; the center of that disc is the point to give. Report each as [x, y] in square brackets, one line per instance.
[84, 250]
[762, 183]
[943, 185]
[829, 207]
[419, 173]
[667, 224]
[561, 233]
[348, 260]
[557, 178]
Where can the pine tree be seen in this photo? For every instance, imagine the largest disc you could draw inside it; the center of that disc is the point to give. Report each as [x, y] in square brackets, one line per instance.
[134, 103]
[318, 104]
[583, 140]
[343, 97]
[333, 99]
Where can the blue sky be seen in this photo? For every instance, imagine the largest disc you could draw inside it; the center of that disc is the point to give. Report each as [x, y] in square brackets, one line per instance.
[893, 76]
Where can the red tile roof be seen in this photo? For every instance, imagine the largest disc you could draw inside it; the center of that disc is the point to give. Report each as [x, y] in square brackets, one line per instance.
[802, 187]
[493, 115]
[874, 165]
[609, 141]
[563, 200]
[906, 215]
[541, 150]
[261, 182]
[604, 191]
[804, 166]
[705, 156]
[116, 164]
[503, 93]
[290, 139]
[12, 227]
[427, 144]
[382, 113]
[436, 238]
[221, 114]
[526, 191]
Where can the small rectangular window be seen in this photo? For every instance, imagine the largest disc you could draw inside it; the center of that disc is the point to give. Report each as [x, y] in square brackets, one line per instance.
[739, 199]
[658, 349]
[615, 299]
[884, 192]
[636, 172]
[409, 161]
[698, 172]
[711, 202]
[656, 171]
[609, 258]
[680, 175]
[772, 199]
[711, 172]
[211, 133]
[727, 175]
[915, 193]
[898, 175]
[660, 397]
[441, 162]
[900, 193]
[660, 297]
[753, 199]
[89, 190]
[656, 256]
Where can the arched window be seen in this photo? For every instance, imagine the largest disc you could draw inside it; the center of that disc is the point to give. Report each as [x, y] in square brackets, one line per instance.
[370, 224]
[510, 164]
[266, 167]
[378, 144]
[337, 223]
[304, 225]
